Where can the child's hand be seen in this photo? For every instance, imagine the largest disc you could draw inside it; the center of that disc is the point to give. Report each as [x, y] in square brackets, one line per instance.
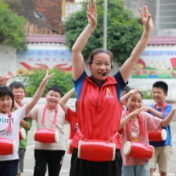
[133, 91]
[137, 111]
[47, 77]
[4, 79]
[174, 106]
[146, 20]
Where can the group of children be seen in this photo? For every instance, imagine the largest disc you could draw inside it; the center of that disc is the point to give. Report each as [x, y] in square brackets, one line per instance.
[157, 116]
[99, 114]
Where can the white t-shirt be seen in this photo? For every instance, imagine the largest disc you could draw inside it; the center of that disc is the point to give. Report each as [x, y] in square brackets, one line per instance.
[17, 116]
[37, 114]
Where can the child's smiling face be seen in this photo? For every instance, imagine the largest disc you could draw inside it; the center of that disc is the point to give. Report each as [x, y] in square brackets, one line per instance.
[5, 104]
[134, 102]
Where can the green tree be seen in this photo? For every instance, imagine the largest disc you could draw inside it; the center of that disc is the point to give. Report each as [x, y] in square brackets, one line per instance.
[123, 30]
[60, 78]
[12, 28]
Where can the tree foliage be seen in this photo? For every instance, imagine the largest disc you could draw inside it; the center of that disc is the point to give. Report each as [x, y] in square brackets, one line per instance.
[123, 30]
[60, 78]
[12, 31]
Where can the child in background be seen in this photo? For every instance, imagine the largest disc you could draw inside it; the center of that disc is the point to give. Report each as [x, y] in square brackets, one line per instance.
[19, 94]
[138, 132]
[126, 90]
[49, 116]
[71, 116]
[163, 150]
[10, 128]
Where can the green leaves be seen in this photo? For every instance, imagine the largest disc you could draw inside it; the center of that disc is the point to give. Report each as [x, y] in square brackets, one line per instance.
[12, 28]
[60, 78]
[123, 30]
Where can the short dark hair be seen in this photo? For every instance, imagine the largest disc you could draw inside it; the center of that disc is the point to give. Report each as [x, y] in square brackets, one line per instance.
[97, 51]
[16, 85]
[5, 90]
[127, 88]
[162, 85]
[56, 89]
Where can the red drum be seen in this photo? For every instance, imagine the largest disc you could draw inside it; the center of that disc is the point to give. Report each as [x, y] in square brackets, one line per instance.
[7, 146]
[70, 147]
[22, 134]
[95, 150]
[46, 136]
[161, 135]
[138, 150]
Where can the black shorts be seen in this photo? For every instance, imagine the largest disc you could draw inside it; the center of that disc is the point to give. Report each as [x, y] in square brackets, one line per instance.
[80, 167]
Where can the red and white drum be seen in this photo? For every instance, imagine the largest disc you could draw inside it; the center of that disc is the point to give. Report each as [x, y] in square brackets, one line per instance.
[46, 136]
[70, 147]
[7, 146]
[138, 150]
[22, 134]
[95, 150]
[160, 135]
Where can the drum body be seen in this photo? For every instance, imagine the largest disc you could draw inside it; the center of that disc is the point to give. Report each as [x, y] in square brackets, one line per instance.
[138, 150]
[46, 136]
[95, 150]
[70, 147]
[7, 146]
[160, 135]
[22, 134]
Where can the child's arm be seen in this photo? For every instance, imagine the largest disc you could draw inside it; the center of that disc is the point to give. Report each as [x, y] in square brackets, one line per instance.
[65, 98]
[167, 120]
[123, 99]
[129, 116]
[154, 112]
[38, 93]
[24, 124]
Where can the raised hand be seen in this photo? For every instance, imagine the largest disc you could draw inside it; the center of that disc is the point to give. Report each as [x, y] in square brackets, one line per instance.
[133, 91]
[92, 14]
[146, 20]
[174, 106]
[47, 77]
[4, 79]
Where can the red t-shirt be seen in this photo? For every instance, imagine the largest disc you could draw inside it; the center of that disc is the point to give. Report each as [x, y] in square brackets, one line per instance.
[71, 117]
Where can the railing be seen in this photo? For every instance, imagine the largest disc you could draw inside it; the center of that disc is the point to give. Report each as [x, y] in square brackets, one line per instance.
[69, 8]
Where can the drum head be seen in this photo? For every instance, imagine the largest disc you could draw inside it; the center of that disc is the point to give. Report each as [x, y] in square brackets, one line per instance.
[14, 144]
[57, 136]
[23, 133]
[163, 134]
[127, 148]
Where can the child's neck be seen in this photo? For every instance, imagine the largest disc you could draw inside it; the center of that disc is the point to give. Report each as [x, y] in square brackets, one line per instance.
[51, 108]
[159, 104]
[19, 104]
[4, 112]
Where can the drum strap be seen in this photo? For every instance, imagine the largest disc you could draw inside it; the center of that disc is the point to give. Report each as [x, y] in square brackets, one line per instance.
[10, 121]
[83, 137]
[140, 125]
[55, 115]
[163, 106]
